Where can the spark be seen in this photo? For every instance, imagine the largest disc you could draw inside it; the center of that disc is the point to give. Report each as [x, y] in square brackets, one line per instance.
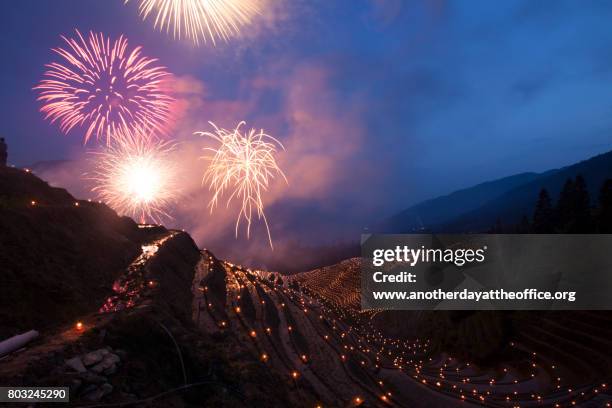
[244, 163]
[105, 87]
[200, 20]
[135, 177]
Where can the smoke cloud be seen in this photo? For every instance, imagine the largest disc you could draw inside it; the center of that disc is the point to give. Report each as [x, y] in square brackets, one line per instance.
[321, 132]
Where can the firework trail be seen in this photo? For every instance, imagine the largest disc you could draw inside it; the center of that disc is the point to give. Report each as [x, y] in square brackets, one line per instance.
[105, 87]
[135, 177]
[200, 19]
[243, 164]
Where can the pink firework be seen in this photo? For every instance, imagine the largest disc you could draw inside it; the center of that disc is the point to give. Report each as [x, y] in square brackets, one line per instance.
[105, 87]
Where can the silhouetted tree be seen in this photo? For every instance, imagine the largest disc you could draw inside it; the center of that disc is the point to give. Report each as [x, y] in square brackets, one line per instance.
[573, 207]
[582, 208]
[543, 214]
[498, 228]
[523, 227]
[565, 211]
[605, 208]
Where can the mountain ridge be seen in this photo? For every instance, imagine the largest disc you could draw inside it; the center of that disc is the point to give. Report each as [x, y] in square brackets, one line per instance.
[510, 206]
[477, 208]
[436, 210]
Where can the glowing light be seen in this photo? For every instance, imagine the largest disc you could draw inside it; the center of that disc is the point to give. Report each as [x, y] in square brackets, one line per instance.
[136, 178]
[149, 250]
[79, 326]
[245, 164]
[200, 20]
[106, 87]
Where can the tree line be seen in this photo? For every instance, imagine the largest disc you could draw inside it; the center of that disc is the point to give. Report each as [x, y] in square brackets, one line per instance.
[572, 213]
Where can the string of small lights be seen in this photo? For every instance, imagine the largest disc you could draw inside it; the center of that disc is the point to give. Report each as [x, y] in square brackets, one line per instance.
[367, 356]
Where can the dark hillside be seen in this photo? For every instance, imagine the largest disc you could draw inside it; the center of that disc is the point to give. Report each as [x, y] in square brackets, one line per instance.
[513, 204]
[442, 209]
[58, 256]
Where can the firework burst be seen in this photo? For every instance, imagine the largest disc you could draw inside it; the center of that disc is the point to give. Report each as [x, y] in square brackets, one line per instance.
[244, 164]
[200, 20]
[136, 177]
[105, 87]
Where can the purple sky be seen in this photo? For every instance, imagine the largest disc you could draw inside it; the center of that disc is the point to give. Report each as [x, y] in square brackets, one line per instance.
[380, 103]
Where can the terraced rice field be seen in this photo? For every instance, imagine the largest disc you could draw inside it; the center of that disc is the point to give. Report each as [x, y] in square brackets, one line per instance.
[309, 329]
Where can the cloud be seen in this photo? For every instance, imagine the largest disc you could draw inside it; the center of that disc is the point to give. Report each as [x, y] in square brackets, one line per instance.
[321, 131]
[324, 132]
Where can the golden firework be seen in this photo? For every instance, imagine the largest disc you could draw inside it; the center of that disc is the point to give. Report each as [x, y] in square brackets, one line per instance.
[200, 20]
[244, 163]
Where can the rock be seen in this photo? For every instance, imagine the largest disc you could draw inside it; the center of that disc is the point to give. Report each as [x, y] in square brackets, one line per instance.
[107, 363]
[111, 370]
[106, 388]
[128, 396]
[94, 357]
[89, 389]
[113, 357]
[76, 364]
[75, 384]
[100, 367]
[92, 378]
[95, 395]
[99, 392]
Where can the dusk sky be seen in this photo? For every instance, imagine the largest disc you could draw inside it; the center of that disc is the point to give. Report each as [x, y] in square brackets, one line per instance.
[380, 104]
